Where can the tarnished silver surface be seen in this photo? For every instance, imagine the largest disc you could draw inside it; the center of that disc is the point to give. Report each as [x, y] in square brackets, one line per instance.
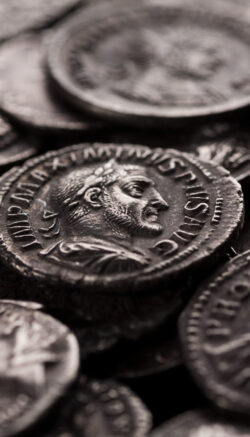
[26, 97]
[153, 61]
[97, 215]
[39, 359]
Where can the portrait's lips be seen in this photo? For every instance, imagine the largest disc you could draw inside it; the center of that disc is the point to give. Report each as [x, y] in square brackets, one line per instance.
[151, 214]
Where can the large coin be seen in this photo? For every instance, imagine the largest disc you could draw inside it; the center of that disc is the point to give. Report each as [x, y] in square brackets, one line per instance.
[201, 423]
[25, 96]
[39, 360]
[17, 16]
[101, 409]
[116, 217]
[215, 336]
[153, 61]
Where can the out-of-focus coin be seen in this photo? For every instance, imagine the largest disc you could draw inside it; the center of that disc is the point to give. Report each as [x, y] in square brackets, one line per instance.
[153, 61]
[102, 409]
[117, 218]
[25, 96]
[39, 360]
[215, 336]
[201, 423]
[16, 16]
[14, 146]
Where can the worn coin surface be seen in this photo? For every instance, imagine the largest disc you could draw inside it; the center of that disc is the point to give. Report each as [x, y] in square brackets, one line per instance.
[26, 97]
[201, 423]
[18, 16]
[153, 60]
[236, 159]
[215, 336]
[116, 217]
[102, 409]
[39, 360]
[14, 146]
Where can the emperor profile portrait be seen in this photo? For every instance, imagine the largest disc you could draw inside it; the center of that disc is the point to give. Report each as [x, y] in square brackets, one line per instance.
[98, 211]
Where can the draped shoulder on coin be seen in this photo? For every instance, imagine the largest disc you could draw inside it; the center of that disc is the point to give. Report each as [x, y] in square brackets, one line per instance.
[215, 336]
[39, 359]
[120, 217]
[153, 61]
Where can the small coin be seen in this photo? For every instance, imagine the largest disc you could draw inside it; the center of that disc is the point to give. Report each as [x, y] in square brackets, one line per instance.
[153, 61]
[25, 97]
[102, 409]
[214, 331]
[117, 218]
[14, 146]
[201, 423]
[17, 17]
[39, 360]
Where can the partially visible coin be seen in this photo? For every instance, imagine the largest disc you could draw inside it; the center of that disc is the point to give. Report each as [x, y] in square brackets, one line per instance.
[236, 159]
[26, 98]
[215, 336]
[153, 62]
[18, 16]
[102, 409]
[117, 218]
[39, 359]
[14, 146]
[201, 423]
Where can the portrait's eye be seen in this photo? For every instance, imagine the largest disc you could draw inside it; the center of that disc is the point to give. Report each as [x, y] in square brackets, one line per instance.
[134, 190]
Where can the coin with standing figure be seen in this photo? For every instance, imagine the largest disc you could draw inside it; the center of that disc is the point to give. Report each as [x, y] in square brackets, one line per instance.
[39, 359]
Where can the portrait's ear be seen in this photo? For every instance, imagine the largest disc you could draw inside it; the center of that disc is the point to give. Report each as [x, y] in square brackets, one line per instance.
[92, 197]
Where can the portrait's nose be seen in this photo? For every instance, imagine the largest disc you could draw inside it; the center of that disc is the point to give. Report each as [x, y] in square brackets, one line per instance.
[158, 202]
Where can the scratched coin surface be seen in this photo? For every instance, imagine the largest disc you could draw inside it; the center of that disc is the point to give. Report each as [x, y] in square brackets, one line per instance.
[19, 16]
[215, 336]
[39, 360]
[153, 60]
[120, 217]
[101, 409]
[201, 423]
[26, 97]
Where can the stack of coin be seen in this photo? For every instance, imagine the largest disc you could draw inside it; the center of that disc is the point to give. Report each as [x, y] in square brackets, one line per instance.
[124, 218]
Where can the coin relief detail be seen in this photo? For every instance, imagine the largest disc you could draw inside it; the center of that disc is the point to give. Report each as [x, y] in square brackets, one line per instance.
[110, 210]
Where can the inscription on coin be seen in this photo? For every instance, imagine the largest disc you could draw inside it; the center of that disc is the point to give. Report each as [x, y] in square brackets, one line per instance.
[215, 336]
[153, 60]
[39, 359]
[106, 212]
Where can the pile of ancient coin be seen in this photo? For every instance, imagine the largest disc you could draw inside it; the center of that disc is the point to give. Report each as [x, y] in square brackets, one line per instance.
[124, 218]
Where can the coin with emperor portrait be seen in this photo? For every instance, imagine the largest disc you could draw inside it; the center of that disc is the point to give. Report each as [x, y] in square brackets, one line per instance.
[116, 217]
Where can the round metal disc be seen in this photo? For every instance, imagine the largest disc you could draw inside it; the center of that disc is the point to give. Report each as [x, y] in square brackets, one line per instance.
[215, 336]
[26, 97]
[153, 61]
[39, 360]
[117, 218]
